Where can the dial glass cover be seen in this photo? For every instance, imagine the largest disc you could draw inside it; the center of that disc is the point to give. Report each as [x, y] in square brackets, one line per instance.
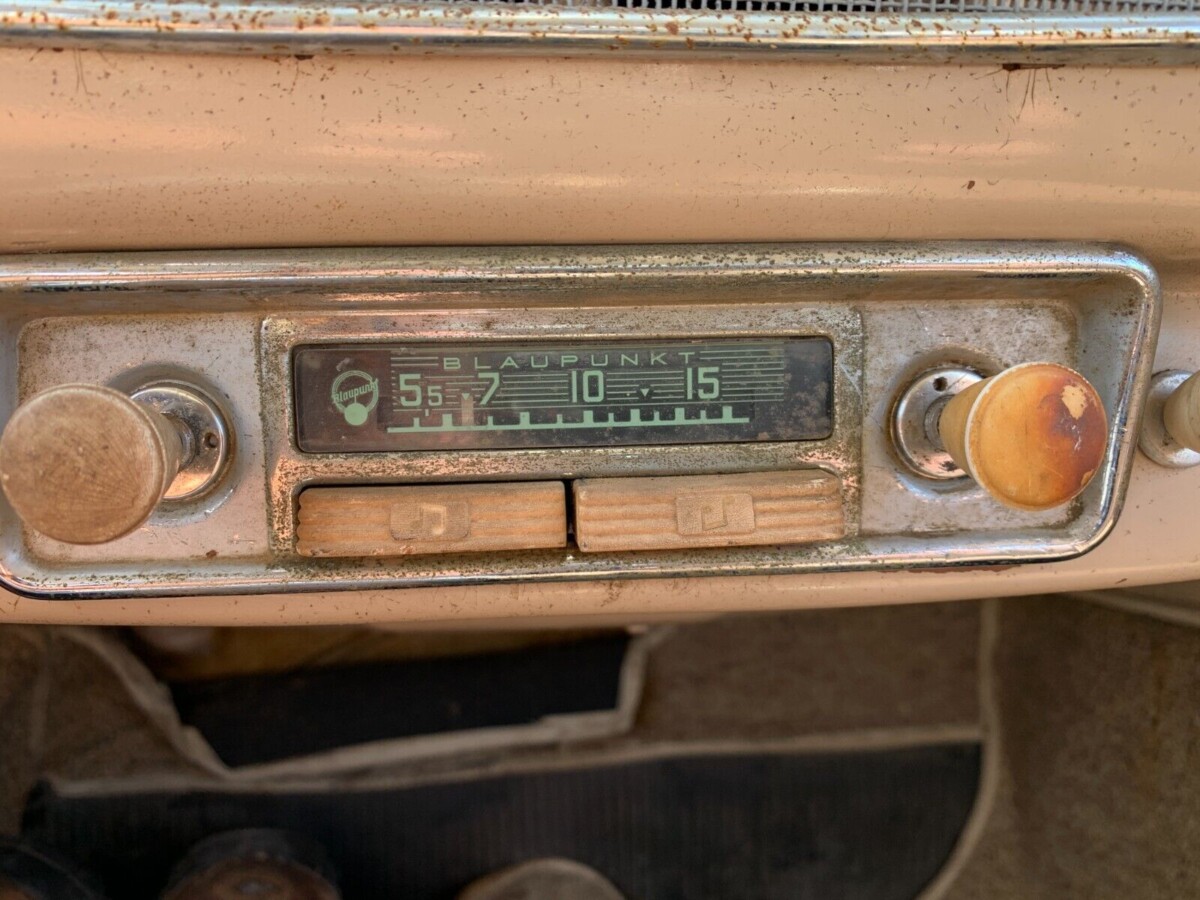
[378, 397]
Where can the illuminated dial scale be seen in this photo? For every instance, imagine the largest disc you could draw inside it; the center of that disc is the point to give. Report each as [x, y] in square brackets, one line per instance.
[424, 396]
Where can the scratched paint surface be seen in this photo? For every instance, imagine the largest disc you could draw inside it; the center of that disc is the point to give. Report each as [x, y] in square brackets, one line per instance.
[114, 150]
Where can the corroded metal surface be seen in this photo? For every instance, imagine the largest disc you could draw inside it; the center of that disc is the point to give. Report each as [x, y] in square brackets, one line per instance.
[1165, 36]
[914, 421]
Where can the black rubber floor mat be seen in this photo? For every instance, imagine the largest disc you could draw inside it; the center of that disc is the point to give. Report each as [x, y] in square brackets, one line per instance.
[865, 825]
[264, 718]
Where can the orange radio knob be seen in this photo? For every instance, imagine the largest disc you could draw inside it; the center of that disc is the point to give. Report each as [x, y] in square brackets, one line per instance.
[1032, 436]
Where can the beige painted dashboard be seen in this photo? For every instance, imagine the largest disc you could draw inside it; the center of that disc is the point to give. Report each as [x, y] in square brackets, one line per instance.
[117, 150]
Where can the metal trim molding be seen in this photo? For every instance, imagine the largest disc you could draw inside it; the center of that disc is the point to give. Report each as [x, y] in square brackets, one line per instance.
[263, 27]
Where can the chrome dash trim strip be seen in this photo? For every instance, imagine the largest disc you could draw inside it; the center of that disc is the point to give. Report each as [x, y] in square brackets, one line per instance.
[296, 28]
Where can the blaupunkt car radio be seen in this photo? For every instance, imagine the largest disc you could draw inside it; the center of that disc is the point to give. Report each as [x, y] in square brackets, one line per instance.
[231, 422]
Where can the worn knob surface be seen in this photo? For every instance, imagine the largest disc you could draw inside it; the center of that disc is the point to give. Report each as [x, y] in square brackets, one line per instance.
[86, 464]
[1032, 436]
[1181, 413]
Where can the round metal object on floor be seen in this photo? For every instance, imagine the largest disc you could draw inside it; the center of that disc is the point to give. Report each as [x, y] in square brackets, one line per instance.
[254, 864]
[544, 879]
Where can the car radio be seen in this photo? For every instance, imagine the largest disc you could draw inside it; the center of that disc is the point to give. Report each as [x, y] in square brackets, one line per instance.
[183, 423]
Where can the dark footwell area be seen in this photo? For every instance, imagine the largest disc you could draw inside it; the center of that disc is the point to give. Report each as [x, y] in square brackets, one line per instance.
[1033, 748]
[873, 826]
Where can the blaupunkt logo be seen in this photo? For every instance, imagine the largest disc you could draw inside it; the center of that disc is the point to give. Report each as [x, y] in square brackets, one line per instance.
[355, 394]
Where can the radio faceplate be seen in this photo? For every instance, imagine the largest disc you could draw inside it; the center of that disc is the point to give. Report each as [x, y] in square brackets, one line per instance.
[836, 333]
[820, 335]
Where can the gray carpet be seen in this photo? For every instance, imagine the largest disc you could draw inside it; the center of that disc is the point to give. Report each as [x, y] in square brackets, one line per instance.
[1097, 791]
[1098, 788]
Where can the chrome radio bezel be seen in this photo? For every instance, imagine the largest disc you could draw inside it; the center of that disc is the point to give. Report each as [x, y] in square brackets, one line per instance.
[887, 307]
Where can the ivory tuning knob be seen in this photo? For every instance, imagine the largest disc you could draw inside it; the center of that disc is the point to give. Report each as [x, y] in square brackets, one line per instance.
[1032, 436]
[1181, 413]
[86, 464]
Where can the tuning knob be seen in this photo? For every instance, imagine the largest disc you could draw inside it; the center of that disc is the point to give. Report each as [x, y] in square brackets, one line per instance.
[1181, 413]
[1171, 425]
[1032, 436]
[87, 464]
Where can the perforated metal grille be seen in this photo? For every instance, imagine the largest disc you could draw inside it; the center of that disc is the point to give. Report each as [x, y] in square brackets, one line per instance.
[883, 7]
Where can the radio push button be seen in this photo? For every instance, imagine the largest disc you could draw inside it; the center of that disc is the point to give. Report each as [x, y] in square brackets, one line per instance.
[681, 512]
[411, 520]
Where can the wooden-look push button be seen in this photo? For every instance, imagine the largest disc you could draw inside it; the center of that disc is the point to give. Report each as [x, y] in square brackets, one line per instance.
[409, 520]
[678, 512]
[1032, 436]
[86, 464]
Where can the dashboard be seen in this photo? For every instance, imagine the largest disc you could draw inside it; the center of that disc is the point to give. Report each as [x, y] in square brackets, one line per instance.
[490, 335]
